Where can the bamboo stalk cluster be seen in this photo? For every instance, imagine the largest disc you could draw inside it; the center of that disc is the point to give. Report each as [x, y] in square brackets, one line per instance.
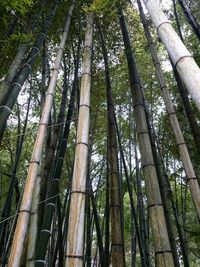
[55, 231]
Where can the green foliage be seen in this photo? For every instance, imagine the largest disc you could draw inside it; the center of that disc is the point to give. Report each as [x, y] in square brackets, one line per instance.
[20, 7]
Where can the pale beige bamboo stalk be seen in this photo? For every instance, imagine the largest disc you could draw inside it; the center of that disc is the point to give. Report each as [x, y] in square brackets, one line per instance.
[181, 57]
[32, 234]
[74, 253]
[25, 208]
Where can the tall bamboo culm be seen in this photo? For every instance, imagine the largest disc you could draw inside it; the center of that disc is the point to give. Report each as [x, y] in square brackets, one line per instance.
[117, 245]
[75, 239]
[180, 56]
[182, 147]
[21, 76]
[25, 208]
[163, 254]
[190, 17]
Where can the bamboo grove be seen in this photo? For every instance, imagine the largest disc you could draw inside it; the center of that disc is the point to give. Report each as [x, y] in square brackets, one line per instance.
[100, 133]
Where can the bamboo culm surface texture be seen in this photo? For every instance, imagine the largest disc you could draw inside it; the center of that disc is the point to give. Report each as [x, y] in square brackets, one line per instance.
[74, 251]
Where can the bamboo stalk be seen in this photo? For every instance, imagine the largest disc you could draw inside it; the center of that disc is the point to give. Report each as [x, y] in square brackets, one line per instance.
[180, 56]
[182, 147]
[17, 83]
[190, 18]
[117, 250]
[33, 223]
[74, 253]
[163, 254]
[25, 208]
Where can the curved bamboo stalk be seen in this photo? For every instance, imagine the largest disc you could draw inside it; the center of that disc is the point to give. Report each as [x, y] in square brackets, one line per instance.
[181, 57]
[74, 253]
[182, 147]
[25, 208]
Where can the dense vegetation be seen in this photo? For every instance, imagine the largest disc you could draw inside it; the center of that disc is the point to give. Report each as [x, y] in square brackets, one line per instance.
[123, 166]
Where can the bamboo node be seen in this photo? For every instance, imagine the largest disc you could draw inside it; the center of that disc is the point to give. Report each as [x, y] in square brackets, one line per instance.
[15, 83]
[171, 113]
[88, 46]
[6, 107]
[81, 143]
[78, 192]
[148, 165]
[56, 180]
[46, 231]
[54, 68]
[35, 47]
[28, 65]
[164, 22]
[24, 210]
[60, 48]
[163, 251]
[137, 105]
[154, 204]
[84, 105]
[44, 34]
[175, 65]
[34, 161]
[190, 178]
[180, 144]
[42, 123]
[74, 256]
[86, 73]
[50, 94]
